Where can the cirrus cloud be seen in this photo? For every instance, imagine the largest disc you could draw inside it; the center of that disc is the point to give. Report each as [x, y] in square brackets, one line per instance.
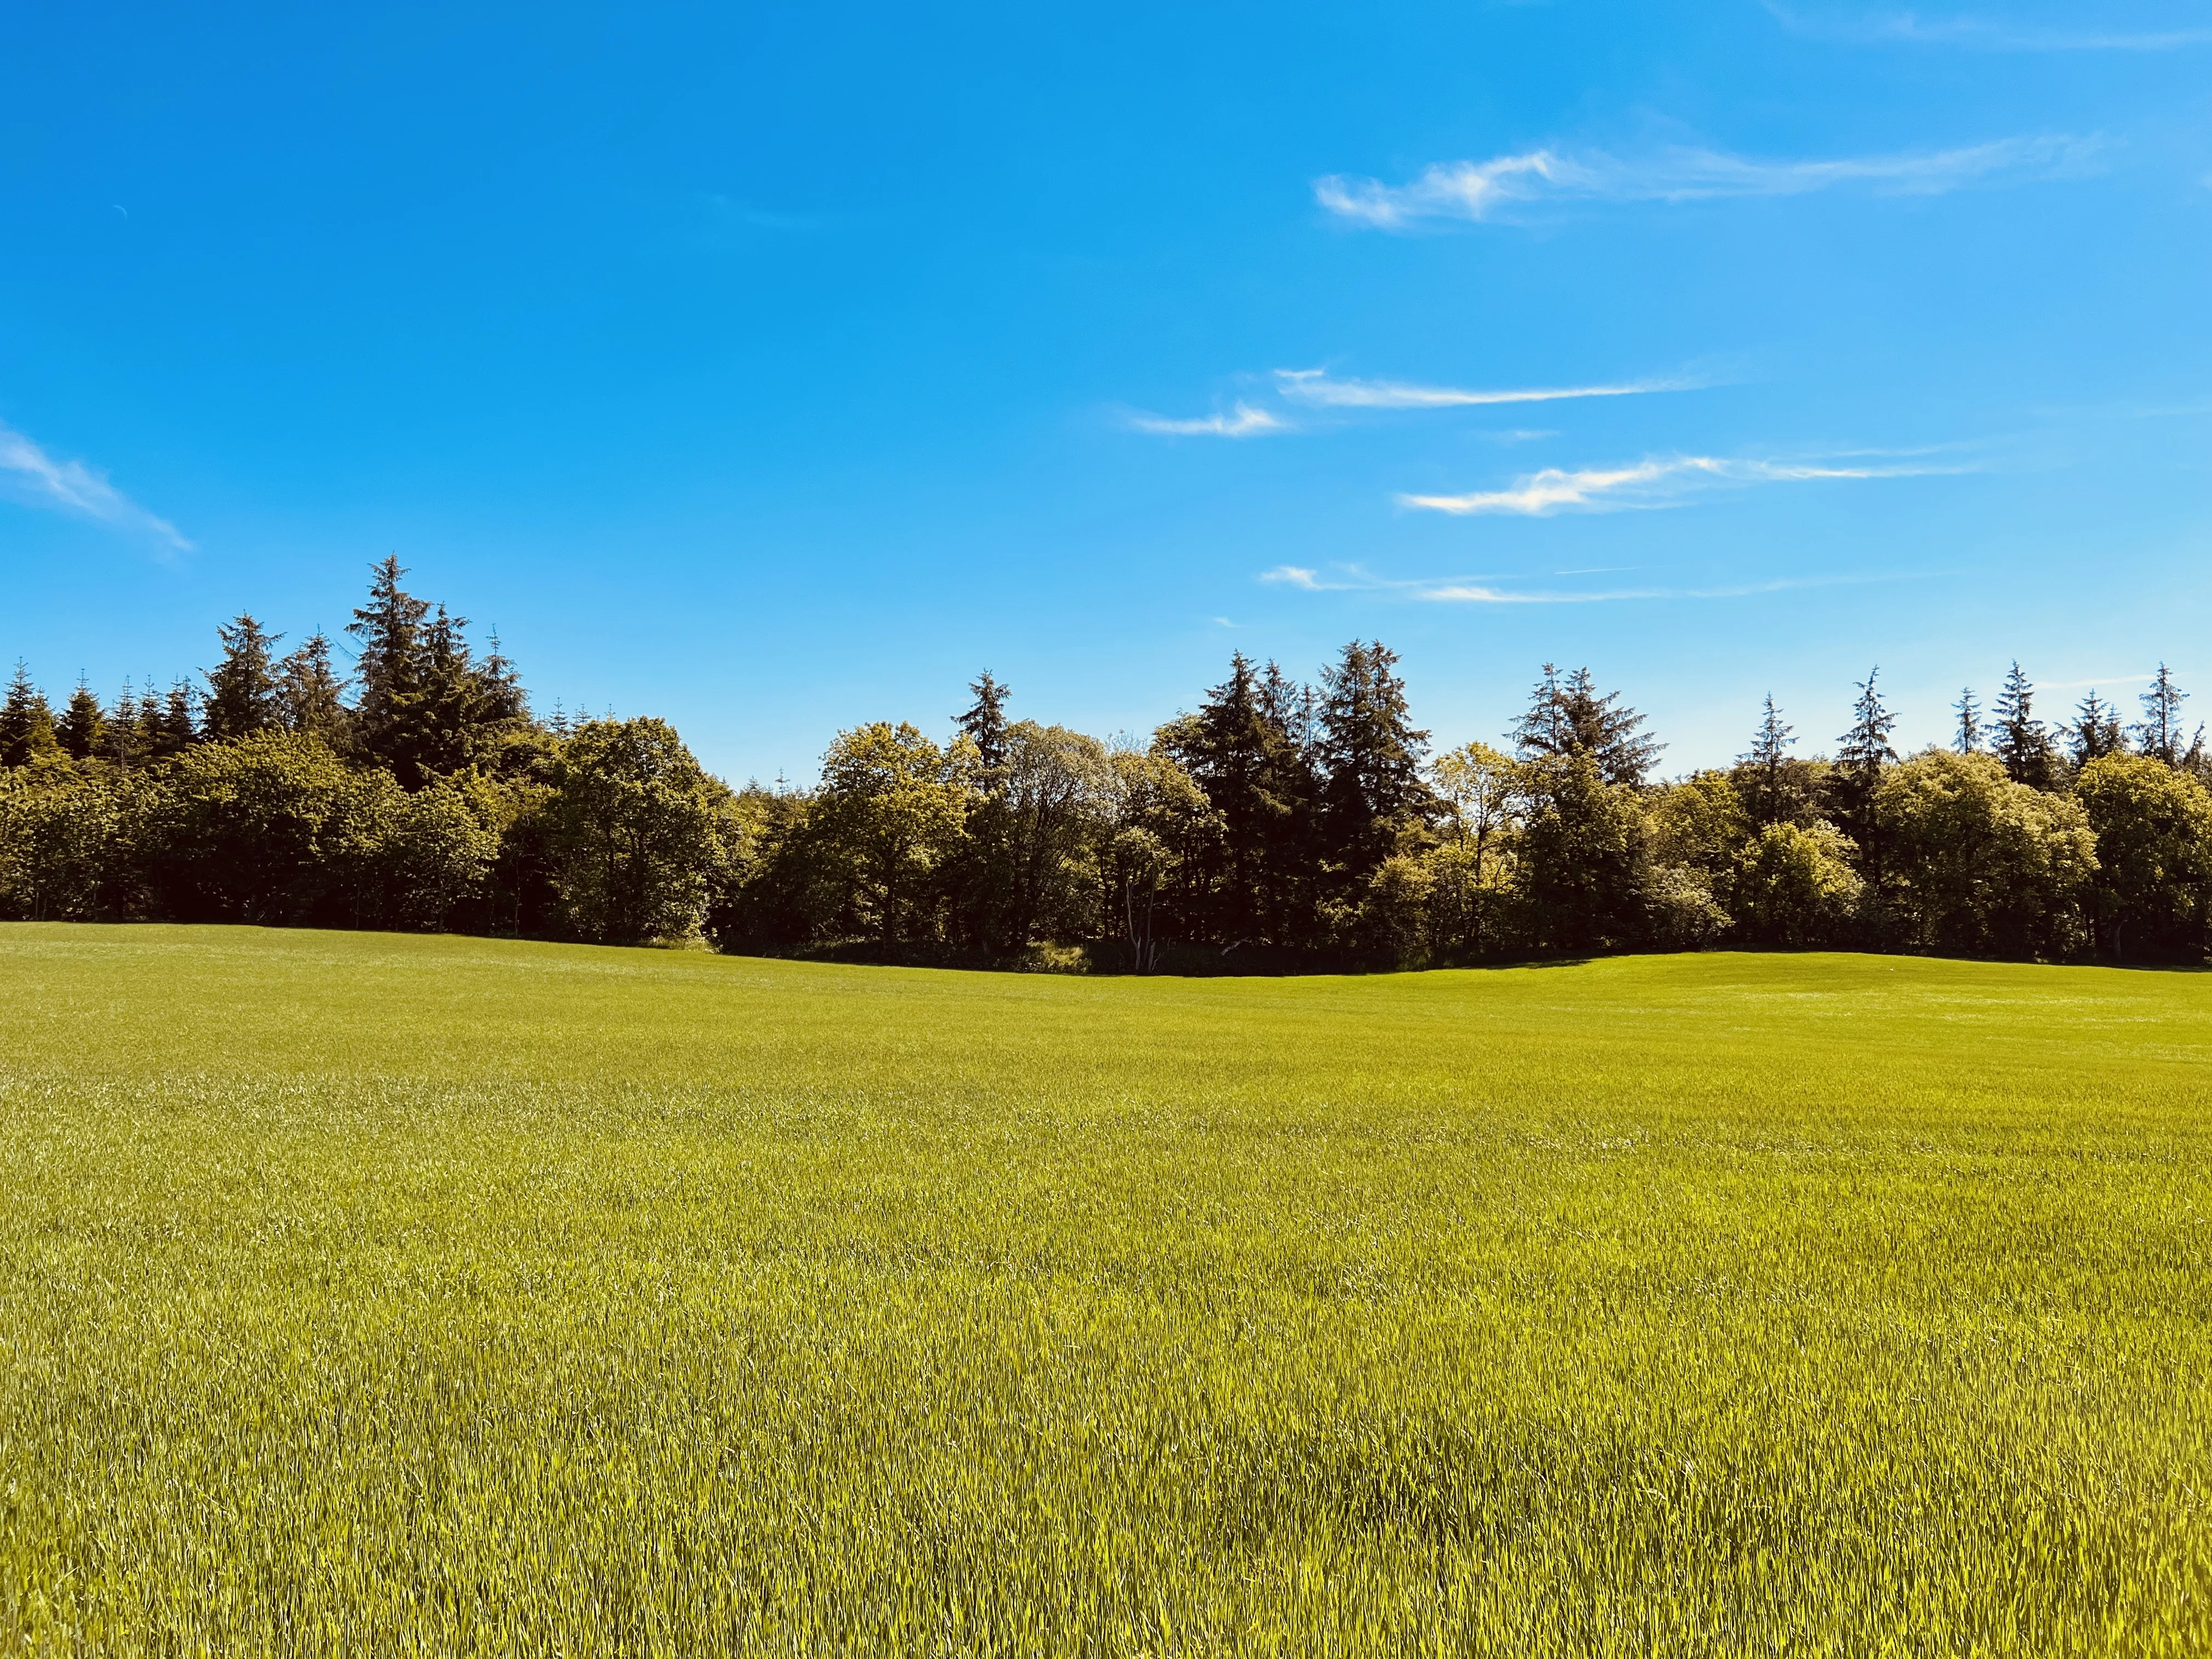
[1243, 421]
[33, 476]
[1655, 481]
[1477, 191]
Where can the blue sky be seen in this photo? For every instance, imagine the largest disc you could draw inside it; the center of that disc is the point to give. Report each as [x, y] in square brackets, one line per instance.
[777, 368]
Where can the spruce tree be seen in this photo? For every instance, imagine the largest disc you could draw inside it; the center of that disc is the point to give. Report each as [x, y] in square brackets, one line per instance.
[2096, 731]
[2158, 732]
[1373, 794]
[2021, 742]
[1765, 760]
[83, 729]
[1567, 718]
[241, 694]
[1859, 756]
[389, 671]
[1241, 753]
[1969, 739]
[985, 723]
[175, 729]
[27, 721]
[310, 693]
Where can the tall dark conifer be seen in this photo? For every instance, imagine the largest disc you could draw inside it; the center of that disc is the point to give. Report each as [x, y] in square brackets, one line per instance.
[310, 693]
[1968, 738]
[2159, 733]
[82, 728]
[2096, 731]
[1567, 717]
[241, 694]
[1763, 762]
[1373, 794]
[175, 726]
[27, 721]
[1861, 755]
[2019, 740]
[984, 721]
[390, 671]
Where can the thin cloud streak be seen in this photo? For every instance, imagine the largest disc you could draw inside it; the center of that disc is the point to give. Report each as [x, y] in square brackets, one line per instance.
[1470, 590]
[1651, 482]
[1314, 386]
[1980, 33]
[1477, 191]
[1244, 422]
[72, 487]
[1467, 593]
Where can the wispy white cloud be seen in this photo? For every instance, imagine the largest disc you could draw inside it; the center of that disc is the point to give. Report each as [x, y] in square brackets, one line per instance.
[1486, 589]
[1243, 421]
[34, 476]
[1481, 190]
[1983, 33]
[1315, 386]
[1655, 481]
[1475, 593]
[1300, 576]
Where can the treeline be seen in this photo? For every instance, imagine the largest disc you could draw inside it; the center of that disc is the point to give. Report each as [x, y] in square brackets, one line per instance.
[413, 786]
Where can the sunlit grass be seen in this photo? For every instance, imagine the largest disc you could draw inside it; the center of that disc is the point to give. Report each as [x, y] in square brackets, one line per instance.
[376, 1294]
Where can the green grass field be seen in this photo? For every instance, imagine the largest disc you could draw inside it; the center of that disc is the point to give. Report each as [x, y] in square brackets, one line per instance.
[371, 1294]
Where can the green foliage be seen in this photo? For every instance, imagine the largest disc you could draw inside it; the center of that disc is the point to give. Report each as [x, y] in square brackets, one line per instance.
[891, 813]
[2153, 849]
[634, 832]
[373, 1295]
[1295, 823]
[277, 830]
[1978, 865]
[1796, 885]
[59, 826]
[1585, 861]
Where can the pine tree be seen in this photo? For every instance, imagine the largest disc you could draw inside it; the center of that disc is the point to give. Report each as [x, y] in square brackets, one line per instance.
[1373, 794]
[2158, 732]
[1765, 759]
[2096, 731]
[1969, 739]
[83, 729]
[241, 694]
[1567, 718]
[2021, 743]
[27, 721]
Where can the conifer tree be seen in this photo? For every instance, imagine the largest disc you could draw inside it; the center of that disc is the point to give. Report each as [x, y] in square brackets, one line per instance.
[1373, 793]
[1566, 719]
[389, 671]
[1765, 760]
[2158, 733]
[1969, 739]
[83, 729]
[2021, 742]
[985, 723]
[2096, 731]
[1861, 755]
[1240, 750]
[27, 721]
[310, 693]
[175, 727]
[241, 694]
